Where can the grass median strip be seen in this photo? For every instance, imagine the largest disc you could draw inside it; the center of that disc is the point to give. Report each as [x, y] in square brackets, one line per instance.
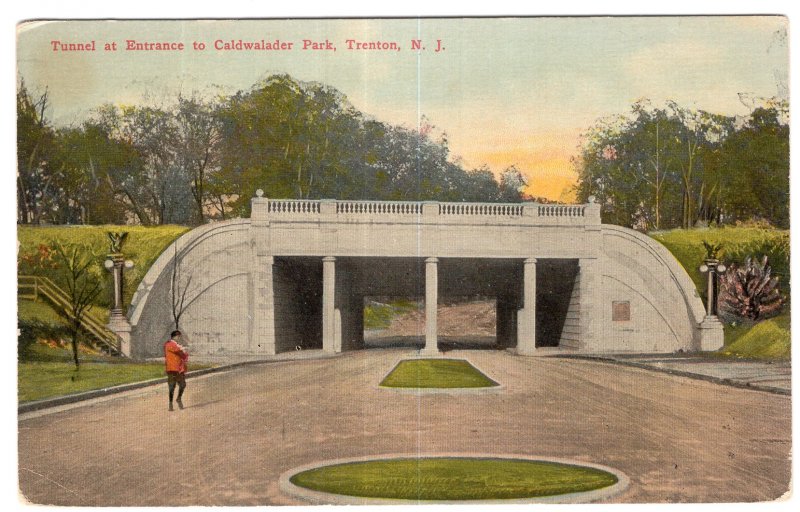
[436, 373]
[453, 478]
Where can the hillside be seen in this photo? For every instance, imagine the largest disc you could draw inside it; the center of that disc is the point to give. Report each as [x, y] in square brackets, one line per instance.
[737, 244]
[769, 339]
[143, 247]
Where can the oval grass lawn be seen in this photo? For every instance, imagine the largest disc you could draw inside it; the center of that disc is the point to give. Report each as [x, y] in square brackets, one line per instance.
[436, 373]
[453, 478]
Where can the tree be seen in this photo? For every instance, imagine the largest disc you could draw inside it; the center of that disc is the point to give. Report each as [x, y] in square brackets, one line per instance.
[156, 184]
[657, 168]
[34, 149]
[198, 138]
[512, 184]
[179, 288]
[755, 160]
[79, 275]
[700, 131]
[186, 160]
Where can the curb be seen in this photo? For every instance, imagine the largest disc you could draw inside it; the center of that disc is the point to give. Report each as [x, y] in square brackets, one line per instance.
[680, 373]
[314, 497]
[47, 403]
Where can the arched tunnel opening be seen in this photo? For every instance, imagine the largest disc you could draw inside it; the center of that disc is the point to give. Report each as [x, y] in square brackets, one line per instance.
[380, 302]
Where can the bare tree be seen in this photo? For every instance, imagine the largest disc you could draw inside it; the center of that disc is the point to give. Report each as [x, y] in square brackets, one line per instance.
[179, 289]
[82, 286]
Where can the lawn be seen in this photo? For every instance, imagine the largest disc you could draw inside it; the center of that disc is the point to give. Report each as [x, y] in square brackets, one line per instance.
[49, 372]
[47, 379]
[42, 311]
[378, 315]
[769, 340]
[436, 373]
[453, 478]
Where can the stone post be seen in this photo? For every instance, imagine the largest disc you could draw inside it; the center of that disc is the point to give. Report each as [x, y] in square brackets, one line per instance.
[262, 287]
[592, 212]
[327, 208]
[263, 318]
[329, 304]
[526, 319]
[430, 210]
[119, 325]
[431, 304]
[712, 335]
[589, 304]
[117, 322]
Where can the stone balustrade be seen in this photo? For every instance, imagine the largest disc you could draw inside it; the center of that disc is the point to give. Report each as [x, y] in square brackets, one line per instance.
[265, 209]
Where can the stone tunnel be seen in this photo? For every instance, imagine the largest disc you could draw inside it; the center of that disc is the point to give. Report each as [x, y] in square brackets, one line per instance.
[295, 275]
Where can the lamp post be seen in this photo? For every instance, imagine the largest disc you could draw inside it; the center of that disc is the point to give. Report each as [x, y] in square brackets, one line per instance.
[713, 268]
[116, 264]
[711, 334]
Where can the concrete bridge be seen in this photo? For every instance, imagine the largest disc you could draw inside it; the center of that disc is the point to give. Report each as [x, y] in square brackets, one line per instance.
[296, 274]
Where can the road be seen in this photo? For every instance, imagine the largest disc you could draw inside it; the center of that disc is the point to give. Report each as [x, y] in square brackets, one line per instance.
[677, 439]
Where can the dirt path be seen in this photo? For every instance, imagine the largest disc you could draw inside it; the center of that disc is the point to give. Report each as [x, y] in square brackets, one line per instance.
[476, 318]
[677, 439]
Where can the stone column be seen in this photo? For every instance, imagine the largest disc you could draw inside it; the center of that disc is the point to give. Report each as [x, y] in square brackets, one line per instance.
[711, 331]
[262, 286]
[431, 303]
[263, 336]
[328, 303]
[526, 319]
[590, 304]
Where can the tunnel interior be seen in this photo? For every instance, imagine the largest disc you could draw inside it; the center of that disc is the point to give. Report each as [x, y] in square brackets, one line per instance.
[359, 281]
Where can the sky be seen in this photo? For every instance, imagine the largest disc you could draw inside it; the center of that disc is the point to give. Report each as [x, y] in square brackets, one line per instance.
[506, 91]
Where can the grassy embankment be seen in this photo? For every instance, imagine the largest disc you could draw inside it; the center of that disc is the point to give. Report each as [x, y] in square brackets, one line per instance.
[47, 370]
[378, 315]
[769, 339]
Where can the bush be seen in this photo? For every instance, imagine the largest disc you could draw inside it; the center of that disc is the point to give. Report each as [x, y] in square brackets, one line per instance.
[749, 293]
[773, 244]
[30, 331]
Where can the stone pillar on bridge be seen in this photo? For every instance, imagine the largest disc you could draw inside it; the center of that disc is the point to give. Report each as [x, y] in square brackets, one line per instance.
[262, 298]
[590, 303]
[526, 319]
[431, 304]
[329, 304]
[263, 317]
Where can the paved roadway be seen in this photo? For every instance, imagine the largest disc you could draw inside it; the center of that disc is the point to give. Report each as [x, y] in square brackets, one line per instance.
[678, 439]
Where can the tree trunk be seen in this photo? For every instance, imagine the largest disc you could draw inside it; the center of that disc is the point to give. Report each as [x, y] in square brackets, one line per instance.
[22, 202]
[75, 347]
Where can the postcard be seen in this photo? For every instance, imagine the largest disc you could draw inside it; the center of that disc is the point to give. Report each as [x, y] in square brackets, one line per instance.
[484, 260]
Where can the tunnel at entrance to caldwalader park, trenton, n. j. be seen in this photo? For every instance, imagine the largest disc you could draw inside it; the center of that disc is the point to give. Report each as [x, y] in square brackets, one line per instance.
[297, 273]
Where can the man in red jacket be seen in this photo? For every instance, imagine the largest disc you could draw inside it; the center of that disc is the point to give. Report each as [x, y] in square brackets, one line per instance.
[175, 357]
